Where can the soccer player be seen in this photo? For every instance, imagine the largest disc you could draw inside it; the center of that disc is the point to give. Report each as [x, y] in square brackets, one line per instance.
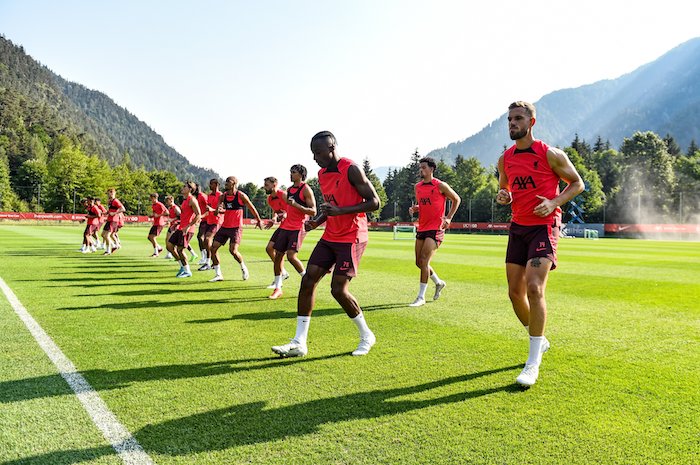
[103, 219]
[528, 174]
[347, 195]
[431, 196]
[115, 220]
[213, 222]
[189, 216]
[231, 205]
[91, 226]
[201, 198]
[277, 200]
[300, 205]
[159, 214]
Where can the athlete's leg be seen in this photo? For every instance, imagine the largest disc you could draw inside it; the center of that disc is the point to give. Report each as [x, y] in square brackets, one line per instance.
[293, 258]
[536, 274]
[517, 292]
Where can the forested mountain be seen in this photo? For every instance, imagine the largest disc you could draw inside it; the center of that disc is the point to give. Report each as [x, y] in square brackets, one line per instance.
[31, 94]
[662, 97]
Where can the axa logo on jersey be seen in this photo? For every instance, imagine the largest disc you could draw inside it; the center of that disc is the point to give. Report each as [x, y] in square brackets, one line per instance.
[522, 182]
[330, 198]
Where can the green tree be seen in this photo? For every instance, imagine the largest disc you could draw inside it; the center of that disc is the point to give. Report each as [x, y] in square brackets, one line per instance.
[165, 183]
[692, 148]
[66, 170]
[671, 146]
[593, 198]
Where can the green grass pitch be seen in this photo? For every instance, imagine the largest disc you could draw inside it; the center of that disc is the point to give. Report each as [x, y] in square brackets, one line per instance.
[186, 364]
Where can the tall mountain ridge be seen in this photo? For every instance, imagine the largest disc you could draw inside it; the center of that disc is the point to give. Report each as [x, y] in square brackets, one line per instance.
[662, 96]
[102, 126]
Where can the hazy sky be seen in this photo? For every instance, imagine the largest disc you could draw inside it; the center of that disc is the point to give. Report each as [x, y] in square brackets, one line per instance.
[240, 87]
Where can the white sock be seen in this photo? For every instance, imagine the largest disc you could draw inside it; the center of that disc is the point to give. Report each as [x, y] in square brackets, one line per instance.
[421, 290]
[204, 255]
[361, 324]
[527, 329]
[535, 357]
[278, 281]
[435, 278]
[302, 329]
[243, 267]
[155, 250]
[109, 249]
[302, 273]
[217, 270]
[187, 268]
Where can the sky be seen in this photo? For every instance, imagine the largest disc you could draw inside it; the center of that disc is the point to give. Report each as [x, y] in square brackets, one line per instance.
[241, 86]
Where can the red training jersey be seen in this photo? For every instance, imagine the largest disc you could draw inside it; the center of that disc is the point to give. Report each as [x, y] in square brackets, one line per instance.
[115, 205]
[233, 214]
[337, 190]
[158, 209]
[295, 217]
[431, 205]
[276, 202]
[202, 201]
[174, 215]
[530, 175]
[103, 210]
[96, 212]
[186, 215]
[213, 202]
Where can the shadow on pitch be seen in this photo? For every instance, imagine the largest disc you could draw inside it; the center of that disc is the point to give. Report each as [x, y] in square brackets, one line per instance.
[282, 314]
[253, 423]
[104, 380]
[160, 305]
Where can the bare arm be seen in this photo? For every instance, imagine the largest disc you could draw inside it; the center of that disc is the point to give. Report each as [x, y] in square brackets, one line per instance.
[562, 167]
[504, 197]
[252, 208]
[194, 205]
[448, 192]
[370, 199]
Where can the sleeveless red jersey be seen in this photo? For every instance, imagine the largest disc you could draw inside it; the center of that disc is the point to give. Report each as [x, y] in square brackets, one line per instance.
[213, 202]
[186, 215]
[337, 190]
[295, 217]
[276, 202]
[172, 213]
[529, 175]
[115, 205]
[158, 209]
[202, 201]
[96, 212]
[233, 216]
[431, 205]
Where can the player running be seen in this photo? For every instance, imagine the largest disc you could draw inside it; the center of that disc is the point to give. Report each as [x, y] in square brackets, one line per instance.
[431, 196]
[160, 213]
[180, 239]
[348, 195]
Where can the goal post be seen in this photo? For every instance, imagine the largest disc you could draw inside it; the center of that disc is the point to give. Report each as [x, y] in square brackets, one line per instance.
[400, 229]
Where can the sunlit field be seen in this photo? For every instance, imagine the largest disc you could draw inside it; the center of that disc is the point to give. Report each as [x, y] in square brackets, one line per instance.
[186, 365]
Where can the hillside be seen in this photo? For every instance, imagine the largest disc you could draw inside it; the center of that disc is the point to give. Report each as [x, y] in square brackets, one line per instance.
[661, 96]
[33, 94]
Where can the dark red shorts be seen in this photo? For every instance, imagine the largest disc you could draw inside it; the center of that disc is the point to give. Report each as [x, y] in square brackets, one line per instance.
[526, 242]
[112, 226]
[202, 229]
[180, 238]
[173, 226]
[211, 229]
[341, 257]
[224, 234]
[438, 235]
[275, 235]
[91, 229]
[155, 230]
[288, 240]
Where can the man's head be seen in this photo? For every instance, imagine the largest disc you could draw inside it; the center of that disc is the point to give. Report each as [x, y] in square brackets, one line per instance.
[270, 184]
[426, 167]
[153, 197]
[188, 188]
[323, 146]
[111, 193]
[214, 184]
[169, 200]
[521, 118]
[231, 183]
[297, 173]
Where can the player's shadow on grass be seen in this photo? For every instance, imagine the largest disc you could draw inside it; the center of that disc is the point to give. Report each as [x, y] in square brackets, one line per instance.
[291, 313]
[253, 423]
[104, 380]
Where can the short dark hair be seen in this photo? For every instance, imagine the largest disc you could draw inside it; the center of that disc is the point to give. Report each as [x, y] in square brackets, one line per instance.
[324, 135]
[429, 161]
[271, 179]
[301, 169]
[529, 108]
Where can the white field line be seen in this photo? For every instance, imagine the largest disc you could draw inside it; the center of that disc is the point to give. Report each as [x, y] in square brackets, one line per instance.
[129, 450]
